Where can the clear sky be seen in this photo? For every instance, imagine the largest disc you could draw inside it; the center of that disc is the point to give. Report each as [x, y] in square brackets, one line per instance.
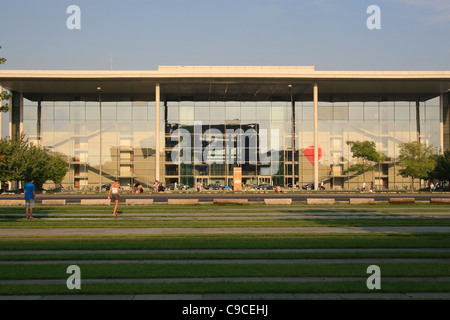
[142, 34]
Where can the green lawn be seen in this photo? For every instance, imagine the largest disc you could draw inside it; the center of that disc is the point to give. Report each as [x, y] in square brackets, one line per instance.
[225, 256]
[226, 288]
[197, 270]
[191, 223]
[231, 241]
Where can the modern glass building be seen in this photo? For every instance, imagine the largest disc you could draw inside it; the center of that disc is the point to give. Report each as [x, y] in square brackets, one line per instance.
[183, 124]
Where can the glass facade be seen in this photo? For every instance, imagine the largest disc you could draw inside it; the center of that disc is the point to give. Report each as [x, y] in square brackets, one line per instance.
[207, 139]
[72, 129]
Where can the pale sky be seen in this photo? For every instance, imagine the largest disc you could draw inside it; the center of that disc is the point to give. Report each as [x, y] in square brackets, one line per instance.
[142, 34]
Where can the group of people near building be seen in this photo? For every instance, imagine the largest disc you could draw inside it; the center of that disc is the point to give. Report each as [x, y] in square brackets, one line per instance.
[363, 189]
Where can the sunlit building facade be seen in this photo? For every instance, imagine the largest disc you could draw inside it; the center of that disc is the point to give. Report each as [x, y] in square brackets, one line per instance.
[184, 124]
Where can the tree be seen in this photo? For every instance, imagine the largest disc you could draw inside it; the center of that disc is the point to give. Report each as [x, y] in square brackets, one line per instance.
[13, 154]
[367, 155]
[417, 161]
[442, 170]
[37, 166]
[2, 158]
[58, 169]
[24, 160]
[4, 96]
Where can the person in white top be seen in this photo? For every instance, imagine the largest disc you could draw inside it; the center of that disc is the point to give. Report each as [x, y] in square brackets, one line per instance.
[114, 191]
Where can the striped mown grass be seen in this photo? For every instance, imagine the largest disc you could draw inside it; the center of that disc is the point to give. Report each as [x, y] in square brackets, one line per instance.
[193, 271]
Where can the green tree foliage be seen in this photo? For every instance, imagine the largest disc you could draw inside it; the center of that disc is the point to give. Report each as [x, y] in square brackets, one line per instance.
[442, 170]
[4, 96]
[367, 155]
[13, 154]
[23, 160]
[417, 161]
[58, 169]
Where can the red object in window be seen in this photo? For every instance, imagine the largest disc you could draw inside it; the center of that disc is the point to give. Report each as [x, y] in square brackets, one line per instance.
[309, 153]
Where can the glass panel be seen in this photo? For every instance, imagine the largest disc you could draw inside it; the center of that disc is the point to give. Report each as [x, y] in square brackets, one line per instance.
[402, 110]
[124, 111]
[432, 109]
[78, 129]
[217, 169]
[92, 111]
[370, 111]
[172, 112]
[387, 110]
[186, 112]
[248, 111]
[77, 110]
[47, 133]
[340, 112]
[402, 132]
[140, 113]
[141, 134]
[188, 181]
[281, 112]
[29, 103]
[109, 111]
[171, 170]
[356, 110]
[432, 112]
[201, 112]
[30, 113]
[186, 169]
[30, 128]
[233, 111]
[263, 111]
[308, 110]
[325, 113]
[47, 110]
[217, 111]
[62, 110]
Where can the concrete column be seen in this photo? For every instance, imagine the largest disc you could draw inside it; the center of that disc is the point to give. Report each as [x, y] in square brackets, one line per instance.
[21, 114]
[16, 115]
[157, 135]
[418, 119]
[39, 116]
[441, 123]
[10, 120]
[10, 130]
[316, 137]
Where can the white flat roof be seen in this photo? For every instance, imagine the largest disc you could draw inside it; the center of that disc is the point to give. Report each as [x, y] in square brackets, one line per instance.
[225, 72]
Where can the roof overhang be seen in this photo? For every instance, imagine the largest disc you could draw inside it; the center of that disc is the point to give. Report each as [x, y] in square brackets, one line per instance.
[227, 84]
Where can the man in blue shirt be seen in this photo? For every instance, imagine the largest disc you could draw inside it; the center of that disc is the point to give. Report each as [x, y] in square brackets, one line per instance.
[30, 197]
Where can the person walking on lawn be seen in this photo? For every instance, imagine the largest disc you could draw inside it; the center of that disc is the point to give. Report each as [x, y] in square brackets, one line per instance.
[30, 198]
[114, 191]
